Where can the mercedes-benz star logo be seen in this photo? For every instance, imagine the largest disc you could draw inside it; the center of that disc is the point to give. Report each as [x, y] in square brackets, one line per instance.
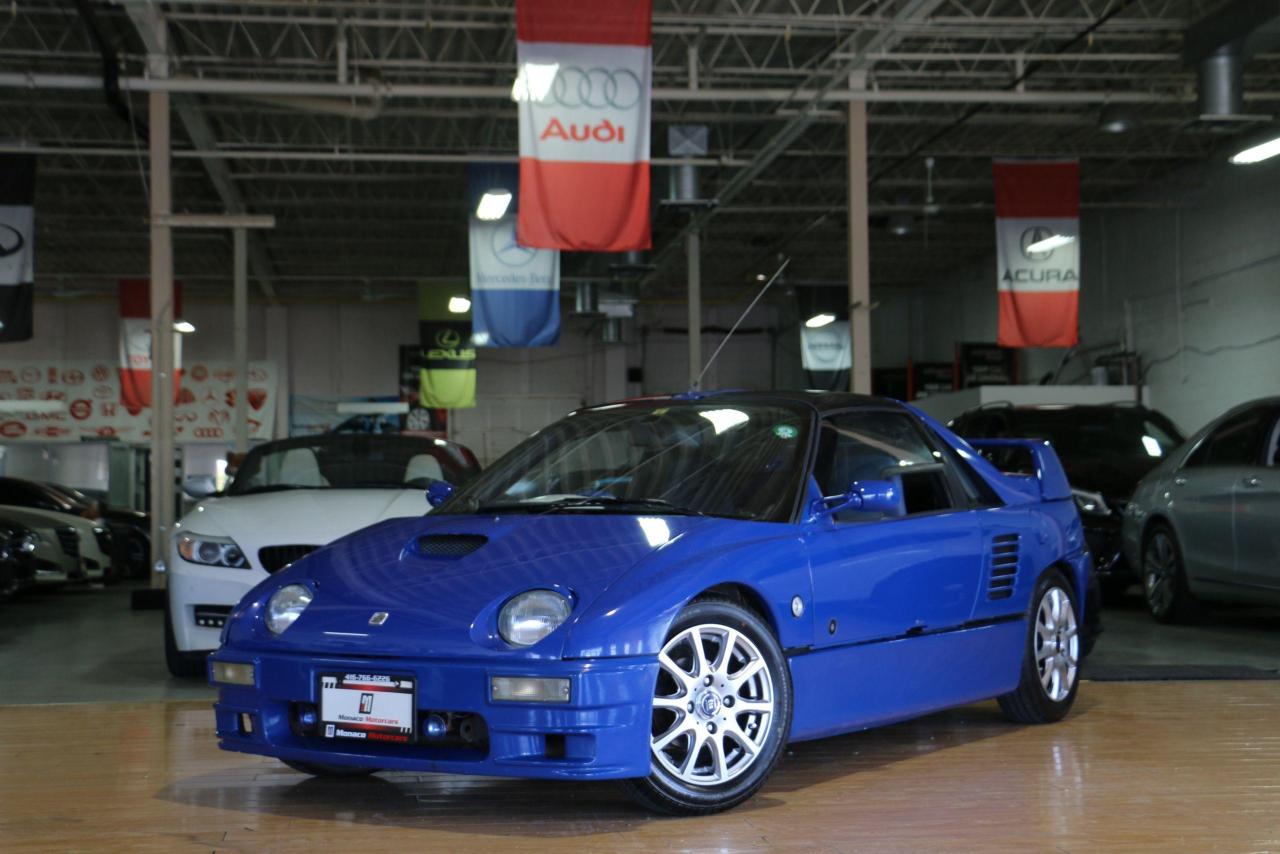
[448, 339]
[10, 245]
[508, 252]
[1032, 236]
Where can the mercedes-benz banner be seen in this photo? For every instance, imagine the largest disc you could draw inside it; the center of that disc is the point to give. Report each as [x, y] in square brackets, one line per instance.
[583, 88]
[515, 290]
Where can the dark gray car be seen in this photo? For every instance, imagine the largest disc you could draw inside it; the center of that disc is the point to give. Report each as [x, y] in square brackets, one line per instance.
[1204, 525]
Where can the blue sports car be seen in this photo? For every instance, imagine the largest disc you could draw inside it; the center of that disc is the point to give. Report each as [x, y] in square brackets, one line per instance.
[666, 591]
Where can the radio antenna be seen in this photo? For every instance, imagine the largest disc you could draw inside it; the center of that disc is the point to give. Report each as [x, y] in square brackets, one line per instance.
[698, 382]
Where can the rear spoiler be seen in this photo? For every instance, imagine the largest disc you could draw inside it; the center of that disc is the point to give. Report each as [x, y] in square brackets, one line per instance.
[1048, 468]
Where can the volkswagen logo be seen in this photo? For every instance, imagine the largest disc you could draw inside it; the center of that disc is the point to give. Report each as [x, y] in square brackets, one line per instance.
[595, 88]
[11, 241]
[505, 248]
[1032, 236]
[449, 339]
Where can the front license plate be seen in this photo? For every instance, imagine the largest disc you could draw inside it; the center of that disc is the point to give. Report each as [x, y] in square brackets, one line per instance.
[367, 707]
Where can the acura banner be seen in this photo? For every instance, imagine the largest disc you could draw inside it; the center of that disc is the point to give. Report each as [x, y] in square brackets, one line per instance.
[1038, 252]
[17, 245]
[583, 89]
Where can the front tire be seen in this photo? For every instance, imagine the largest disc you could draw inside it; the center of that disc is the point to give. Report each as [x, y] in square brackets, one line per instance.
[184, 665]
[721, 711]
[1051, 663]
[1164, 578]
[321, 769]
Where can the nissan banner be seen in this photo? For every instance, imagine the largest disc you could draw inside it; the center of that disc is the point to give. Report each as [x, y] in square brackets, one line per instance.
[583, 89]
[826, 348]
[1038, 252]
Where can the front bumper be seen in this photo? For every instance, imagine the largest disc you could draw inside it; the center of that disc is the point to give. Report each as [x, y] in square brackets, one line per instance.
[192, 585]
[601, 733]
[1104, 541]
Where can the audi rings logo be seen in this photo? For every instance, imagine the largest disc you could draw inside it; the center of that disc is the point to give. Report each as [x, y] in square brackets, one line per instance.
[507, 251]
[595, 88]
[1031, 237]
[11, 241]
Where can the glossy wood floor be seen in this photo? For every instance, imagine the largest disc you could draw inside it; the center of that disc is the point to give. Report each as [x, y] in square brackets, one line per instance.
[1180, 766]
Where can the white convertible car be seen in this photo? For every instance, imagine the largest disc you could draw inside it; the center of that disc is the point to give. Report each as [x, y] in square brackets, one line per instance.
[286, 499]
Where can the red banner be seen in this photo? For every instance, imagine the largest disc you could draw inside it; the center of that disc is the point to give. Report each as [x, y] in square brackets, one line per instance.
[135, 344]
[583, 89]
[1038, 252]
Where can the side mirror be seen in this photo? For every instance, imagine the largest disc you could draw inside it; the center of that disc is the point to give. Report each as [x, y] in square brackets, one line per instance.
[199, 486]
[439, 492]
[868, 496]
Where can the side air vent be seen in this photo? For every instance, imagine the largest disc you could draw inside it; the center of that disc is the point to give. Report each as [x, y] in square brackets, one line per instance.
[449, 546]
[276, 558]
[1004, 566]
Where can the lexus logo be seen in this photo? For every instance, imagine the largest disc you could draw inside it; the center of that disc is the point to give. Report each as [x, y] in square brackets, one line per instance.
[595, 89]
[1032, 236]
[508, 252]
[11, 241]
[448, 339]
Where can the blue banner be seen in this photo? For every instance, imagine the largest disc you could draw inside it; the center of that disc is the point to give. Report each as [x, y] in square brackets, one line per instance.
[515, 290]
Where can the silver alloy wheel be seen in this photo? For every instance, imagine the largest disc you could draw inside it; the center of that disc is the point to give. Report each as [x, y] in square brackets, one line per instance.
[1057, 644]
[1160, 573]
[713, 705]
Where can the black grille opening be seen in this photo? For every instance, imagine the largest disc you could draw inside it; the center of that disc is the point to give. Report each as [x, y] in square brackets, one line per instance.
[212, 616]
[70, 541]
[276, 558]
[450, 546]
[1004, 566]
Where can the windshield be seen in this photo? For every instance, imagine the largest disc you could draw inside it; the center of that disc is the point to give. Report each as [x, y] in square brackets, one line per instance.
[352, 462]
[717, 459]
[1105, 433]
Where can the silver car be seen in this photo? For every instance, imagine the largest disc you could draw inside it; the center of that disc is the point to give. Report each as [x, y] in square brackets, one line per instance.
[1204, 525]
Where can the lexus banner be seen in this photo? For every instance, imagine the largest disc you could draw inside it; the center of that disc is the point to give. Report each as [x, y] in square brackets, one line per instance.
[583, 90]
[17, 245]
[135, 344]
[1038, 252]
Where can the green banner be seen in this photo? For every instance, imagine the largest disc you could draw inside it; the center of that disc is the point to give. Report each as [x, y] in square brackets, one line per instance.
[447, 361]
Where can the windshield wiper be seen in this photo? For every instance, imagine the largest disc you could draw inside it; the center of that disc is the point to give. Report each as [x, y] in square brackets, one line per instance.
[653, 505]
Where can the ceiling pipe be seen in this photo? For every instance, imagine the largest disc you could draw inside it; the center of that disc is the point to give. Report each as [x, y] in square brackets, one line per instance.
[1219, 44]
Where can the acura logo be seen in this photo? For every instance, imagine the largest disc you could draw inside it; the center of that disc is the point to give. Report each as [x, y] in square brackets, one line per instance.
[1032, 236]
[10, 245]
[507, 251]
[595, 88]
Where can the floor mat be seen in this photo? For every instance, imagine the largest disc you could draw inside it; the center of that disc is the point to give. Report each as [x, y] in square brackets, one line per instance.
[1174, 672]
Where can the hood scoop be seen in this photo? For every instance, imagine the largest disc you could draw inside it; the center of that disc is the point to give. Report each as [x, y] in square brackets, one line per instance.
[448, 546]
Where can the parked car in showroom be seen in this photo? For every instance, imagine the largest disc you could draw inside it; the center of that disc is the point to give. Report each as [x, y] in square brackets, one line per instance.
[130, 540]
[666, 591]
[1105, 451]
[1204, 526]
[18, 544]
[288, 498]
[68, 548]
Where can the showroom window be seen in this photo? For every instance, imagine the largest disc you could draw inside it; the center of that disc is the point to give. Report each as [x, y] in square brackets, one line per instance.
[865, 446]
[1235, 442]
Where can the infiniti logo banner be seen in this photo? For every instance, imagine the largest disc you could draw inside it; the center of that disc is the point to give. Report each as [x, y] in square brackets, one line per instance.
[17, 226]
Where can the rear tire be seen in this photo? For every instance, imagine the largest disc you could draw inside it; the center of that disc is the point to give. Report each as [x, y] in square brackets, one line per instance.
[1051, 661]
[184, 665]
[721, 711]
[321, 769]
[1164, 578]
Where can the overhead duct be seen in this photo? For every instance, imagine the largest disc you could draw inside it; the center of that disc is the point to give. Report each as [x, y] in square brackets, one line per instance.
[1221, 78]
[1218, 46]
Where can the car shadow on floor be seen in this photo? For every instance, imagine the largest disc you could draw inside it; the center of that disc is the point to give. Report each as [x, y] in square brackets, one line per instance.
[557, 809]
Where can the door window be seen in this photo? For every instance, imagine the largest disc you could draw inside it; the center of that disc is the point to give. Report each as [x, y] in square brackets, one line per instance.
[881, 445]
[1235, 442]
[1272, 456]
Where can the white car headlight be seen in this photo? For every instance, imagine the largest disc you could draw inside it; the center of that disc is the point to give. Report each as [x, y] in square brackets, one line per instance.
[28, 542]
[531, 616]
[285, 606]
[1091, 503]
[211, 551]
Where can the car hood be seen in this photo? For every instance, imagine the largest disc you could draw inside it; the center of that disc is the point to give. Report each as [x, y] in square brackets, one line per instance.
[299, 516]
[448, 605]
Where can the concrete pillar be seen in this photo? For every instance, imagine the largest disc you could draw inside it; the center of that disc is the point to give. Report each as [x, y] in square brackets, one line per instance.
[859, 252]
[693, 246]
[162, 343]
[240, 322]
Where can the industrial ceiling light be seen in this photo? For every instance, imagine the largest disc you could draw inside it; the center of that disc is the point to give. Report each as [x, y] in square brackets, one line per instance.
[1116, 118]
[534, 81]
[186, 327]
[820, 320]
[1052, 242]
[1257, 153]
[459, 305]
[493, 205]
[901, 224]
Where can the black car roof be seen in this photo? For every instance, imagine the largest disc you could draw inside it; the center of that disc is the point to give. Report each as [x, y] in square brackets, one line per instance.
[822, 401]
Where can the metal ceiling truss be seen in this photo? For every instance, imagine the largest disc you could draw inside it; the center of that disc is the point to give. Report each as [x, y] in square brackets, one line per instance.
[351, 121]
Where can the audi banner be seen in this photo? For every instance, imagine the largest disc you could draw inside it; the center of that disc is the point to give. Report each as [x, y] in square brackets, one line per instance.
[583, 89]
[135, 344]
[17, 245]
[1038, 252]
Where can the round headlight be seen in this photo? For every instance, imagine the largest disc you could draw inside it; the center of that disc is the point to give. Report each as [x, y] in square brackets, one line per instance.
[531, 616]
[29, 542]
[285, 605]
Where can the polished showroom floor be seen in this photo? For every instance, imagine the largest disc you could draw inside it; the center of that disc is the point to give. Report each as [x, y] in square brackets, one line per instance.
[1137, 766]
